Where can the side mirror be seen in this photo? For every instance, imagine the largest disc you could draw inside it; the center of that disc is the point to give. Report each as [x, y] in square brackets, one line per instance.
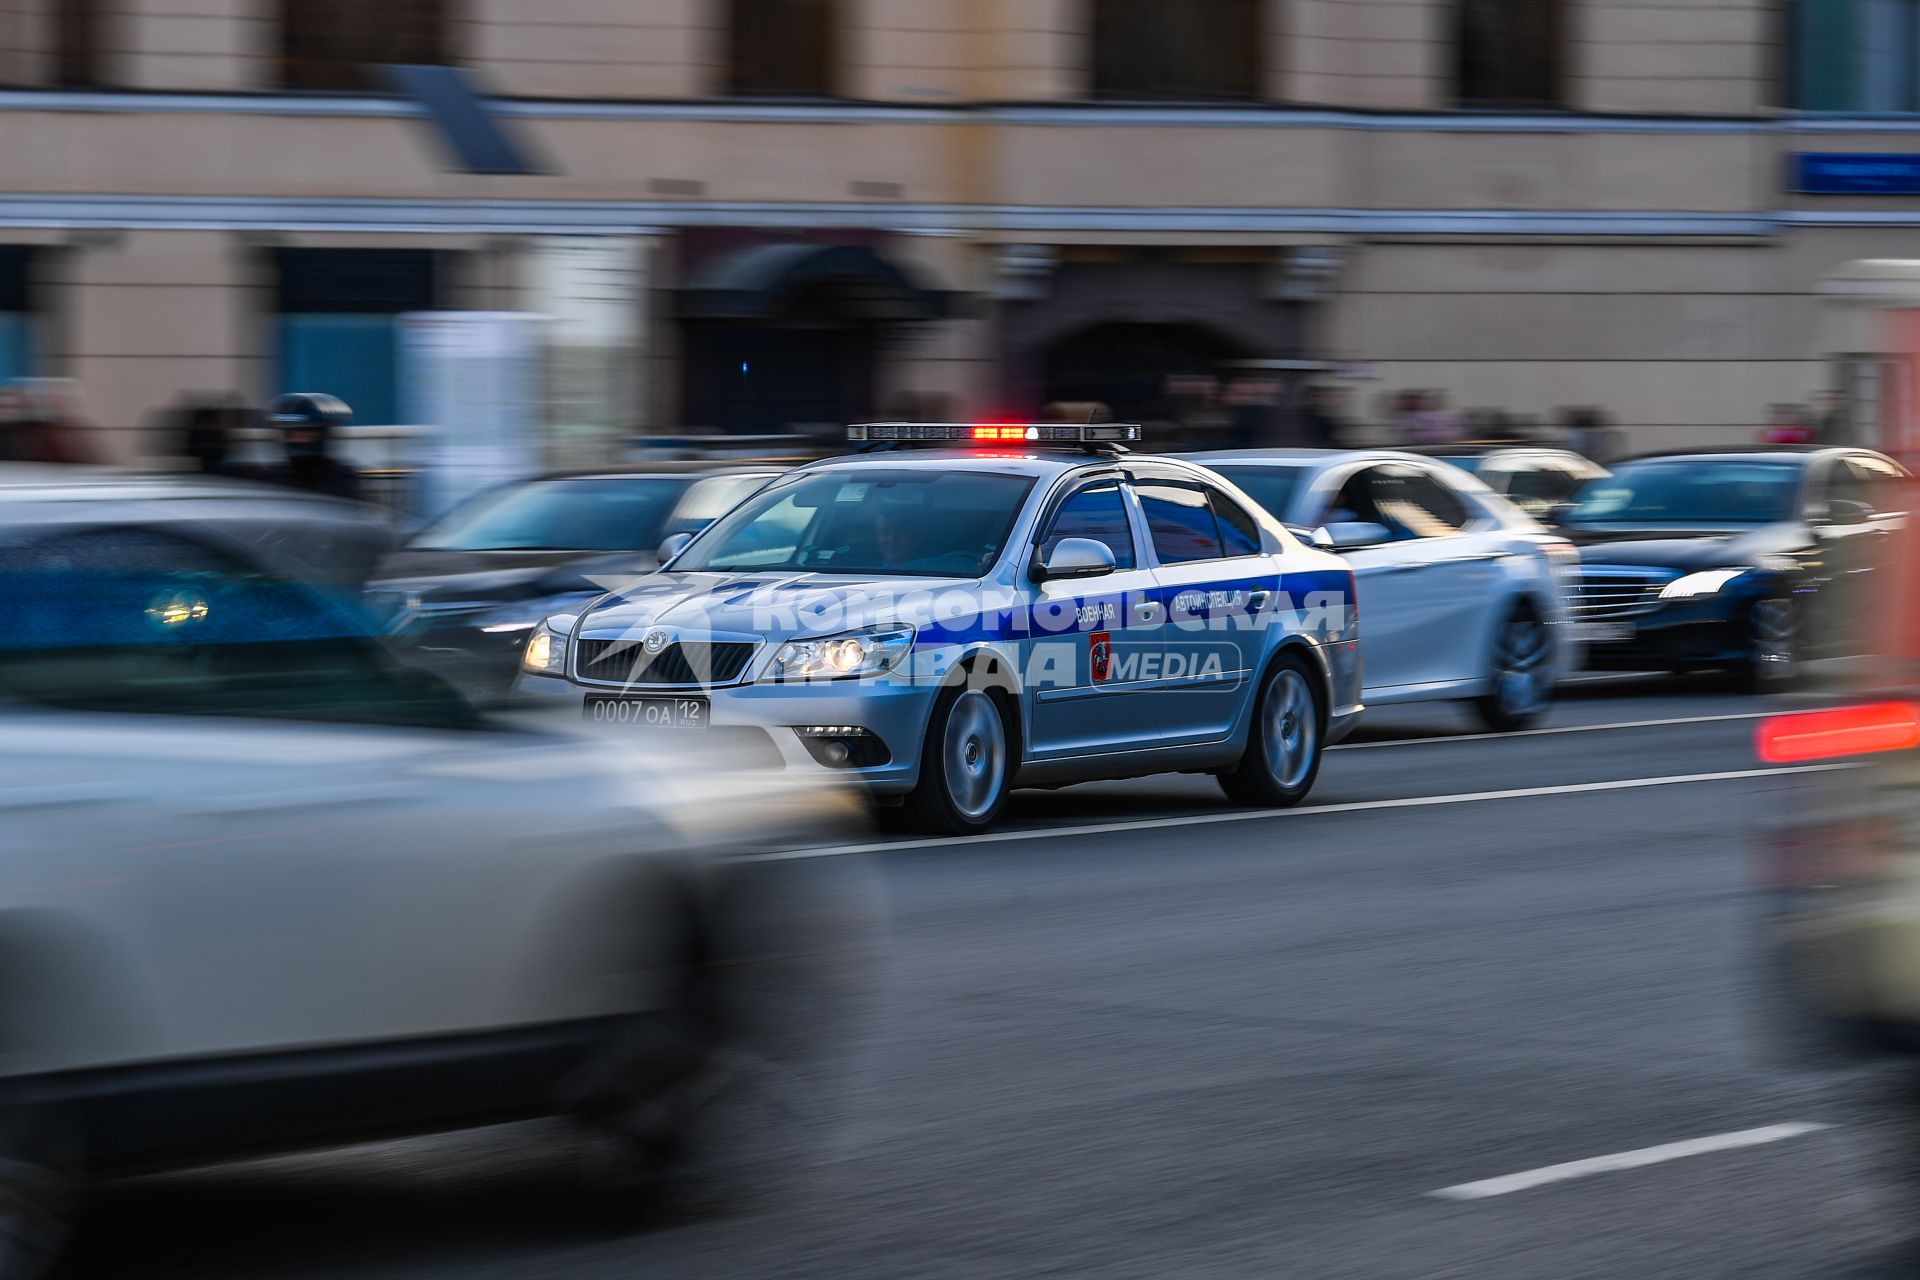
[1075, 558]
[1319, 539]
[1848, 511]
[673, 546]
[1354, 534]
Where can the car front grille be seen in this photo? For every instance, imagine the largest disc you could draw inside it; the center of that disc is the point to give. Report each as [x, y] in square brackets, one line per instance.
[681, 663]
[1598, 597]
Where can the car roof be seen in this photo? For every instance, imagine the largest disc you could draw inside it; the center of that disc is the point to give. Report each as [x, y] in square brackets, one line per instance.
[67, 482]
[1483, 448]
[1800, 453]
[1317, 459]
[656, 471]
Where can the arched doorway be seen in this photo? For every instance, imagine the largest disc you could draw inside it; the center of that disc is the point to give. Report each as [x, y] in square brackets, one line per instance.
[1126, 366]
[786, 336]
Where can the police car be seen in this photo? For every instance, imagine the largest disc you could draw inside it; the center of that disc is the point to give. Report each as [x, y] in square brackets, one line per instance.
[957, 610]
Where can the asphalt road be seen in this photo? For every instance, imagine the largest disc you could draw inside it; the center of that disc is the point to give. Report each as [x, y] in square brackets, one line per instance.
[1231, 1047]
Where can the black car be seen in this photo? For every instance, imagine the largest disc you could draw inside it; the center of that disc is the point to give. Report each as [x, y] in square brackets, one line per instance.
[465, 592]
[1749, 561]
[1534, 477]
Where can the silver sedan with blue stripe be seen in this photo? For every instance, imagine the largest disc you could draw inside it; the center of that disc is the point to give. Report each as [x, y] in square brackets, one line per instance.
[947, 625]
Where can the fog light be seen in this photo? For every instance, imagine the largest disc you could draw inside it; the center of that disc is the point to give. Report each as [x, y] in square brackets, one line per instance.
[843, 746]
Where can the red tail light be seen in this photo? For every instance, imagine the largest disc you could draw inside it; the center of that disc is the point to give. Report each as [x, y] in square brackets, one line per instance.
[1847, 731]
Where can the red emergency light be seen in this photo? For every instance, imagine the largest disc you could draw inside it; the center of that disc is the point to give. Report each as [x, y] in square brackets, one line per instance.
[1037, 434]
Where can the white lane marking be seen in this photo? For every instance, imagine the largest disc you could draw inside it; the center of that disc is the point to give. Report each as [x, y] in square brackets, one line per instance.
[1560, 728]
[1263, 815]
[1626, 1160]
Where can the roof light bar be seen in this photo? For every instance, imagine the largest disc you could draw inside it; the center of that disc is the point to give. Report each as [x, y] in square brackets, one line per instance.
[995, 433]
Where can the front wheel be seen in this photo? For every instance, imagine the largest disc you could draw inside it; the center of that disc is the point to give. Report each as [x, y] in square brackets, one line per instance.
[1284, 742]
[966, 765]
[1522, 674]
[1773, 647]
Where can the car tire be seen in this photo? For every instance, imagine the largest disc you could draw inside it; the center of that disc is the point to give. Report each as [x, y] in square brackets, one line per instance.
[1522, 677]
[1773, 663]
[966, 764]
[1285, 740]
[39, 1191]
[727, 1101]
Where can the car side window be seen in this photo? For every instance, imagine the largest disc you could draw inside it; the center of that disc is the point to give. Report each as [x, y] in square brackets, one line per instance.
[1537, 488]
[1884, 485]
[1180, 520]
[1413, 504]
[1238, 532]
[1098, 512]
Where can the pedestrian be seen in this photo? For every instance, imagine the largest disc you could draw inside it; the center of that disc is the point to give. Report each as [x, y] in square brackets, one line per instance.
[1787, 424]
[1320, 422]
[306, 421]
[1253, 407]
[43, 424]
[1833, 421]
[1430, 423]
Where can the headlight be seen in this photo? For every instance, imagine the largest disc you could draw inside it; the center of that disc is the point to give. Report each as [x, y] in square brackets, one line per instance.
[525, 615]
[872, 652]
[1704, 583]
[546, 652]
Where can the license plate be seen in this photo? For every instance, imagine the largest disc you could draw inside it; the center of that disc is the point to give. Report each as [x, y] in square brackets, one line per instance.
[661, 713]
[1603, 632]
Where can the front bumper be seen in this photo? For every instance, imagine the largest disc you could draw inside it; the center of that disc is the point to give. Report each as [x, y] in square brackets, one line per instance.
[757, 723]
[1679, 635]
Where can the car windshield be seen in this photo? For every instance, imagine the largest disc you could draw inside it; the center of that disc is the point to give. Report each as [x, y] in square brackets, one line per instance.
[1703, 491]
[708, 500]
[868, 521]
[1271, 487]
[587, 513]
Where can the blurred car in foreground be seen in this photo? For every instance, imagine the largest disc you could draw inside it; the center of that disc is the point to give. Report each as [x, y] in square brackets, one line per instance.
[465, 592]
[263, 887]
[1750, 561]
[334, 546]
[1462, 596]
[940, 624]
[1535, 478]
[1839, 870]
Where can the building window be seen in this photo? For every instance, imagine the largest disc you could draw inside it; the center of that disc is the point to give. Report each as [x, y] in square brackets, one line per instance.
[1192, 49]
[338, 313]
[1856, 55]
[781, 47]
[79, 43]
[16, 313]
[331, 44]
[1510, 53]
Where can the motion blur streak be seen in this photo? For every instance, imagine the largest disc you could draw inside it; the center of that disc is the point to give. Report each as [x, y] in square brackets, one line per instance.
[1845, 731]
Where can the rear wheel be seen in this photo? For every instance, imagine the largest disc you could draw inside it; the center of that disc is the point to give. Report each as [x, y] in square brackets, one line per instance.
[966, 764]
[1522, 674]
[1284, 742]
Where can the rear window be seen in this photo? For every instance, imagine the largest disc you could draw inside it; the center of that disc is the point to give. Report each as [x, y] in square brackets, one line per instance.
[136, 621]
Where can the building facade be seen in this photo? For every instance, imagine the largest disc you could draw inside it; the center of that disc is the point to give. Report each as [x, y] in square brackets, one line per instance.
[770, 213]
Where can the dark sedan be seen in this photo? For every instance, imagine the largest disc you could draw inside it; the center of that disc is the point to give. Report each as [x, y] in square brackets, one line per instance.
[465, 592]
[1749, 561]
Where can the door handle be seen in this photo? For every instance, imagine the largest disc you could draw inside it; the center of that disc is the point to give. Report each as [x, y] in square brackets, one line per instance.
[1146, 611]
[1257, 599]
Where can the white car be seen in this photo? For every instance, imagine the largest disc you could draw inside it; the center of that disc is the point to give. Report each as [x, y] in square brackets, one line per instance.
[1462, 595]
[261, 887]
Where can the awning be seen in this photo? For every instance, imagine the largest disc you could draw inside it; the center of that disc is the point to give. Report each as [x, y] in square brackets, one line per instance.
[761, 282]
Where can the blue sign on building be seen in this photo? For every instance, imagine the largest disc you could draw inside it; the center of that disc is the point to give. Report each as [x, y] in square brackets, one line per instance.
[1837, 173]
